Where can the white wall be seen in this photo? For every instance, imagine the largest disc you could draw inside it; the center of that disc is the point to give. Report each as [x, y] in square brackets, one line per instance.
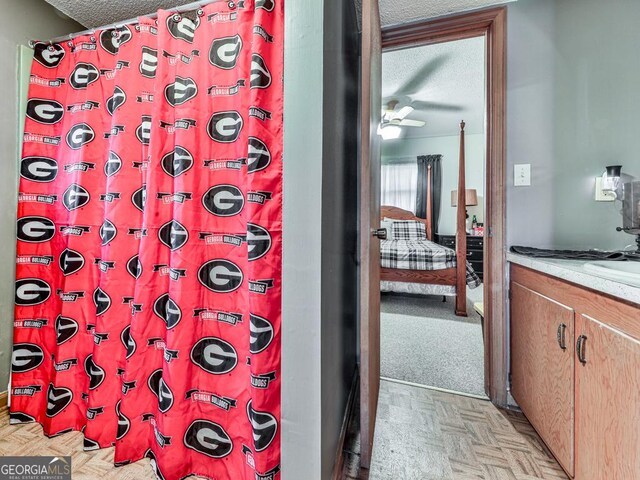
[21, 21]
[449, 147]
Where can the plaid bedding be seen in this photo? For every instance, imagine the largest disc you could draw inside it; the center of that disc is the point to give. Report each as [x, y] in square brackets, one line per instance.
[421, 255]
[409, 230]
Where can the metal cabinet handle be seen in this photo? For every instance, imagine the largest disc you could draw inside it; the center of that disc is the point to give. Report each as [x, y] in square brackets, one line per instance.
[381, 233]
[562, 328]
[580, 344]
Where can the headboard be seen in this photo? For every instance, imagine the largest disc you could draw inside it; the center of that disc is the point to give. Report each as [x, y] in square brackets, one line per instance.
[400, 214]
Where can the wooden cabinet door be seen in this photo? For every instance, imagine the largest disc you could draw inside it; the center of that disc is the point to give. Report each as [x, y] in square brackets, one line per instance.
[542, 371]
[607, 403]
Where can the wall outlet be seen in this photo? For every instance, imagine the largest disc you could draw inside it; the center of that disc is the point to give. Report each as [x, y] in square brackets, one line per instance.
[603, 195]
[522, 175]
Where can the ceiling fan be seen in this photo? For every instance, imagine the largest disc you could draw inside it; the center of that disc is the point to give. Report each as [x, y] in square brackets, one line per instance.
[397, 108]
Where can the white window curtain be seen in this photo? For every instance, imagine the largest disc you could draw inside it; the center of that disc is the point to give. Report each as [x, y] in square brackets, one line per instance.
[399, 181]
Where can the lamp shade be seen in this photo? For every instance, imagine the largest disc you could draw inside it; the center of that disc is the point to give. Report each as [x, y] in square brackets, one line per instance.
[471, 197]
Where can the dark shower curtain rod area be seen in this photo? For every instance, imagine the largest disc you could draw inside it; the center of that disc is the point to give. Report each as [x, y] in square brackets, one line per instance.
[177, 9]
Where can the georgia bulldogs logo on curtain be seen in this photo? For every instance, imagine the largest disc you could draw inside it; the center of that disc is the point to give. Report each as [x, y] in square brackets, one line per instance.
[33, 229]
[168, 310]
[208, 438]
[224, 52]
[260, 74]
[223, 200]
[258, 241]
[108, 232]
[220, 276]
[96, 373]
[112, 40]
[116, 100]
[134, 267]
[173, 235]
[83, 75]
[214, 355]
[177, 162]
[259, 155]
[180, 91]
[101, 300]
[143, 132]
[160, 389]
[39, 169]
[49, 56]
[128, 341]
[183, 27]
[44, 111]
[74, 197]
[225, 127]
[113, 164]
[26, 356]
[66, 329]
[139, 198]
[261, 333]
[264, 427]
[32, 291]
[79, 135]
[267, 5]
[124, 424]
[70, 262]
[58, 398]
[149, 62]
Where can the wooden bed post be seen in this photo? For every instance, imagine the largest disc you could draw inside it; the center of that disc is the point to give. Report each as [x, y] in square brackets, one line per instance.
[461, 234]
[429, 209]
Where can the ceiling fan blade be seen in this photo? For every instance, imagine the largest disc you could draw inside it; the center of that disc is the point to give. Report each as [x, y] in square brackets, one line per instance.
[403, 112]
[415, 83]
[432, 106]
[412, 123]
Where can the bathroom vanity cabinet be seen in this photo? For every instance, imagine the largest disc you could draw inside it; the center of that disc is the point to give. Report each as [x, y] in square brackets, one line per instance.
[575, 372]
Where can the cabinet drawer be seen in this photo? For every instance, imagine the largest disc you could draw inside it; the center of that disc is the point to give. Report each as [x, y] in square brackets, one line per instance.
[475, 242]
[449, 242]
[474, 255]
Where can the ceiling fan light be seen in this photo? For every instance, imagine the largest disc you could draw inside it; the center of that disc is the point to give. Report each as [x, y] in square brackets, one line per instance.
[389, 132]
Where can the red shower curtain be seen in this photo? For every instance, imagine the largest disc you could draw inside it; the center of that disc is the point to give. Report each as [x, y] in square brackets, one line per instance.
[148, 290]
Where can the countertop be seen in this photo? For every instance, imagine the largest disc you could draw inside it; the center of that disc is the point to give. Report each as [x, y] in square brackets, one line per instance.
[573, 271]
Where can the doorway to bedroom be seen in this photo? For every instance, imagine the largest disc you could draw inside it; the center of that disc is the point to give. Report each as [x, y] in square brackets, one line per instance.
[433, 211]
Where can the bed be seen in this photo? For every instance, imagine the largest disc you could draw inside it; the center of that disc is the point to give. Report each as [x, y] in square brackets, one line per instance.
[413, 263]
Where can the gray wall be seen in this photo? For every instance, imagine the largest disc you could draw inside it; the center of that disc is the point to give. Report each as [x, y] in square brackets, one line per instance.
[303, 95]
[21, 21]
[339, 220]
[573, 74]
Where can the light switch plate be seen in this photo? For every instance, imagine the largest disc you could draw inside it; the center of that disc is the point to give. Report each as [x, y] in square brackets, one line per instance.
[522, 175]
[602, 195]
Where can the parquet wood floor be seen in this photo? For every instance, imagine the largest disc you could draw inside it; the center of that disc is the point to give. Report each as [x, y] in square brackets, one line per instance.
[424, 434]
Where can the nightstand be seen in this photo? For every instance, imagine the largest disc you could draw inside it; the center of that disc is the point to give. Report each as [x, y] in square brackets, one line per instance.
[475, 250]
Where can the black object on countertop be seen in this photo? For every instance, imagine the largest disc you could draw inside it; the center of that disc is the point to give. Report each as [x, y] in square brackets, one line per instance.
[575, 254]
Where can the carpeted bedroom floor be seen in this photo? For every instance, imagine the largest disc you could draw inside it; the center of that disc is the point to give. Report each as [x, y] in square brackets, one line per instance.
[423, 342]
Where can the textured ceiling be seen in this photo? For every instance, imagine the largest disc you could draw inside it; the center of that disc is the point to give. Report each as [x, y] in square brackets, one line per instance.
[449, 77]
[102, 12]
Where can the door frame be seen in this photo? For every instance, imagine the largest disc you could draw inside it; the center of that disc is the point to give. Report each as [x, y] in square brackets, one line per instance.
[490, 23]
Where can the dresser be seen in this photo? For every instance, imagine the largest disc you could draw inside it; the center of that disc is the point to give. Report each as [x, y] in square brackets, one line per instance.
[475, 250]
